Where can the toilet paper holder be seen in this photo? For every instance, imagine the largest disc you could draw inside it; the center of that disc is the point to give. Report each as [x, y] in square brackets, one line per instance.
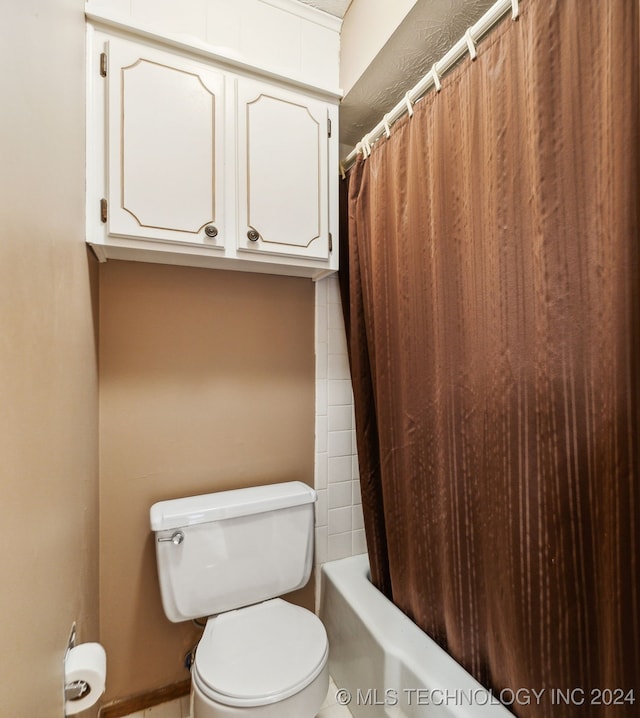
[76, 690]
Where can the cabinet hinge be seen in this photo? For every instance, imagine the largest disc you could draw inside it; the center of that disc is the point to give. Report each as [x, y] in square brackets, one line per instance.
[329, 126]
[330, 242]
[103, 210]
[103, 64]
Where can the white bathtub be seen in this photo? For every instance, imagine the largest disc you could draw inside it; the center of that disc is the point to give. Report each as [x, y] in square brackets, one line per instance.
[383, 664]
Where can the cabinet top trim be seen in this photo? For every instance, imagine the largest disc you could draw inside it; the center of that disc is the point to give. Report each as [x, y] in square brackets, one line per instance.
[331, 22]
[195, 47]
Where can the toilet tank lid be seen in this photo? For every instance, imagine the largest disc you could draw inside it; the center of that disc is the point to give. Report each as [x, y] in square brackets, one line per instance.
[192, 510]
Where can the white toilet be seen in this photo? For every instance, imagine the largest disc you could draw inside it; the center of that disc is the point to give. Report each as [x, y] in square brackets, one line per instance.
[229, 555]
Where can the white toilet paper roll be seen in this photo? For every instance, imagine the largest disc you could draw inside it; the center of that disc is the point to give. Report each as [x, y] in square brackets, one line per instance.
[86, 662]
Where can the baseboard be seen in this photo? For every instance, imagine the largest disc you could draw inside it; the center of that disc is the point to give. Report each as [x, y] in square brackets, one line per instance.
[141, 701]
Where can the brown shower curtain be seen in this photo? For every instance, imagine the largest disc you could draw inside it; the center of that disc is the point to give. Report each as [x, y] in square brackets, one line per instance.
[492, 318]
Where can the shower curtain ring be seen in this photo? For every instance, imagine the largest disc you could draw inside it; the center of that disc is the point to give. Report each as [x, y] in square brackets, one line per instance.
[409, 104]
[387, 129]
[470, 44]
[436, 78]
[515, 10]
[367, 146]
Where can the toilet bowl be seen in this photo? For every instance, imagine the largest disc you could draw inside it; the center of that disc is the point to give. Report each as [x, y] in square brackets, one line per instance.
[264, 661]
[229, 556]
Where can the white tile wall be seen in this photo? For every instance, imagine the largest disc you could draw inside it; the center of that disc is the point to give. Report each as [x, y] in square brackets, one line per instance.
[339, 524]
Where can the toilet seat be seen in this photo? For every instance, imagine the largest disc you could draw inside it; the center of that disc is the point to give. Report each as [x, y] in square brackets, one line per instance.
[260, 654]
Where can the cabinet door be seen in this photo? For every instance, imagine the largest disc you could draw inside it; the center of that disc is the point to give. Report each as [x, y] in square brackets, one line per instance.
[165, 146]
[282, 172]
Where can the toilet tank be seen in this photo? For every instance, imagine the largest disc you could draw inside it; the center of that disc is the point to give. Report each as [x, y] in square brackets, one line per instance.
[229, 549]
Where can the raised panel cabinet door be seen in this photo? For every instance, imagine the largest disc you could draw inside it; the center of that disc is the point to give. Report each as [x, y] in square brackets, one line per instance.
[282, 172]
[165, 146]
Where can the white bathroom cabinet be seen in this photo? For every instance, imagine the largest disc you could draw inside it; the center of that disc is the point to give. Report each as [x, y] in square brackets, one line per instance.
[197, 160]
[283, 165]
[164, 146]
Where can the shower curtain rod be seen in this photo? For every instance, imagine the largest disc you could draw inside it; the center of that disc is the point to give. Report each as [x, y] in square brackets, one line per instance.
[432, 79]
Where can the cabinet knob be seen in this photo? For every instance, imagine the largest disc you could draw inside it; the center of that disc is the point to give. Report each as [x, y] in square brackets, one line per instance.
[211, 231]
[253, 235]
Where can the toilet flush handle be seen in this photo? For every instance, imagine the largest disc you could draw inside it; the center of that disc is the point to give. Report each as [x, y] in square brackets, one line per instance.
[176, 538]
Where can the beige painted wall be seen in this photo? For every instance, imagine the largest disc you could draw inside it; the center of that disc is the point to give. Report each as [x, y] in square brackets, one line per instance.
[48, 375]
[206, 383]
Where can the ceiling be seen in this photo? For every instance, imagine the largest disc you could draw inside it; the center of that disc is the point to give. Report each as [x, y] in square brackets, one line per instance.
[423, 37]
